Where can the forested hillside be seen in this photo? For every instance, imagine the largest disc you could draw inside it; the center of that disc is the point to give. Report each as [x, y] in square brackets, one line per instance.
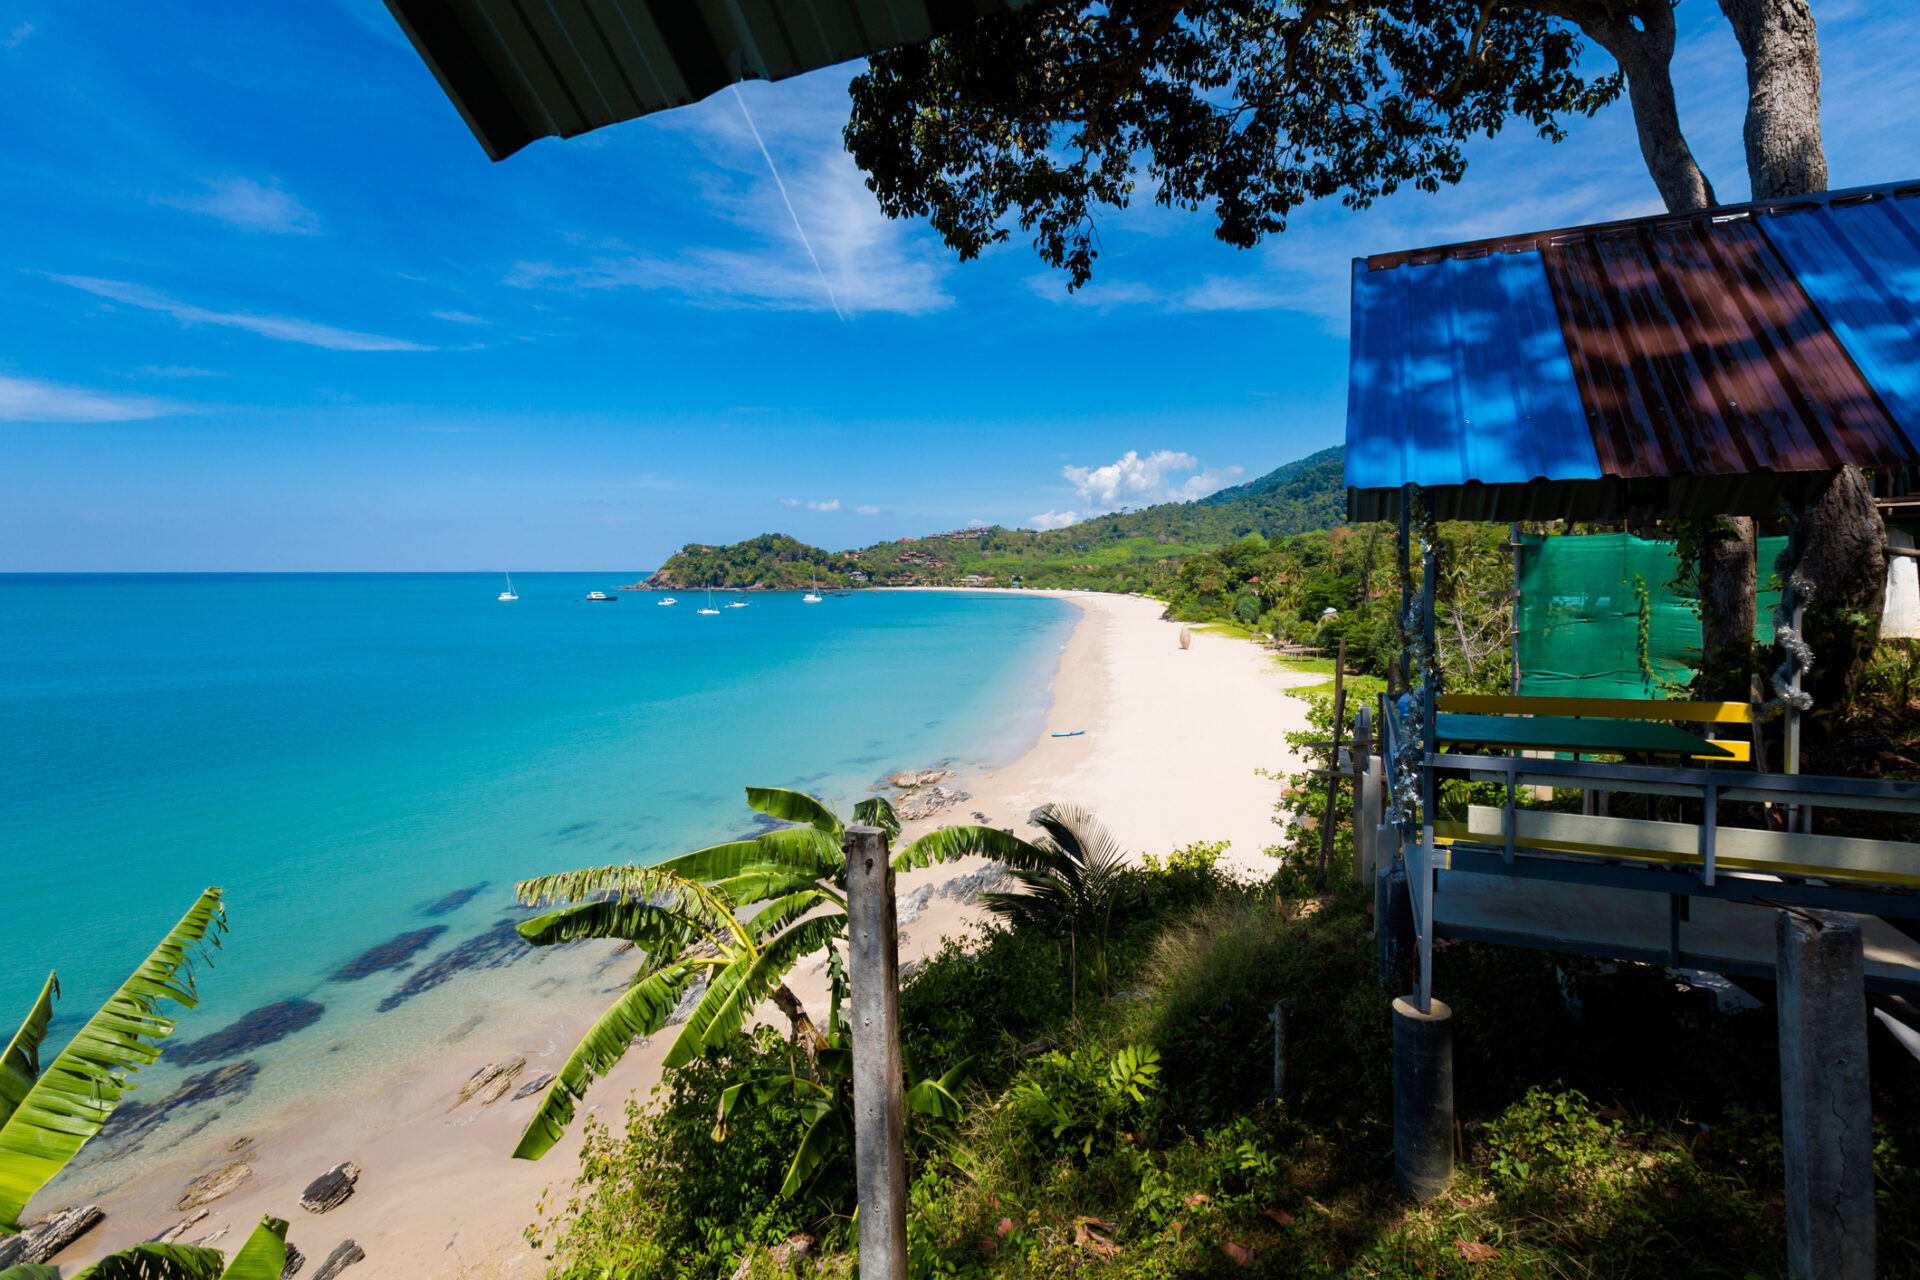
[1122, 551]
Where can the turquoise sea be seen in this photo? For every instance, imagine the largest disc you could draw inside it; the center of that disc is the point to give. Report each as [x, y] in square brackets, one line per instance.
[367, 762]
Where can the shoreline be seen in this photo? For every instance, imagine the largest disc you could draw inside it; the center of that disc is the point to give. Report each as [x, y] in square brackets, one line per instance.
[1170, 741]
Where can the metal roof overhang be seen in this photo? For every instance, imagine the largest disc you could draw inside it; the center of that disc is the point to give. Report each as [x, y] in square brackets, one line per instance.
[521, 70]
[1678, 365]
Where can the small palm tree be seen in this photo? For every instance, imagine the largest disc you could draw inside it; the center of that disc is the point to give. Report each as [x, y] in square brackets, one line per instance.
[47, 1116]
[1072, 880]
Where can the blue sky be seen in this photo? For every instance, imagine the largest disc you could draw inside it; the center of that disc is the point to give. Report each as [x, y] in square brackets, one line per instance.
[264, 304]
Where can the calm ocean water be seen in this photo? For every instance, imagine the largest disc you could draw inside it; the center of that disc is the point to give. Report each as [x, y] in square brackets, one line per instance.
[343, 752]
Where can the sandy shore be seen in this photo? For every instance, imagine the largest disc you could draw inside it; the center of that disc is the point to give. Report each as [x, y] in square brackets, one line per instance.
[1171, 744]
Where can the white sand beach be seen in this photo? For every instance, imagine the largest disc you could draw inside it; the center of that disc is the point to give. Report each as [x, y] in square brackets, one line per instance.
[1171, 743]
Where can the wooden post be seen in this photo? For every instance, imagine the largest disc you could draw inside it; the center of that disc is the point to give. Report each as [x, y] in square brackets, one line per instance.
[873, 978]
[1333, 759]
[1279, 1019]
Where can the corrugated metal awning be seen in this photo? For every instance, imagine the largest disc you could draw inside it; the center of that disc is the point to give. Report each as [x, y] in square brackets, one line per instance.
[520, 70]
[1674, 365]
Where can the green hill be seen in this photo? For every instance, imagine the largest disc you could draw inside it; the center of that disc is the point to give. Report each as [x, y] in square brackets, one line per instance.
[1122, 551]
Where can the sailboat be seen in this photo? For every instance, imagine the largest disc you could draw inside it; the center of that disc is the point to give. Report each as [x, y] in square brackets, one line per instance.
[710, 609]
[508, 593]
[813, 596]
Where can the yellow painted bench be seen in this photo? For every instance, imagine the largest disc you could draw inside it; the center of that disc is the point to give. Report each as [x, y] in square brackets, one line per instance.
[1707, 713]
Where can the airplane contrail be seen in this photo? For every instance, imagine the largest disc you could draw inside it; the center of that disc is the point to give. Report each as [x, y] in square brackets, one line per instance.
[789, 203]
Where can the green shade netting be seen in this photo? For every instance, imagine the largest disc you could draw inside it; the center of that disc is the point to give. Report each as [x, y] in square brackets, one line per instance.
[1582, 602]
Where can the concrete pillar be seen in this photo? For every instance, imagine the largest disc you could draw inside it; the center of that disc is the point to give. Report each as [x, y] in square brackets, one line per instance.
[1826, 1114]
[1393, 933]
[879, 1103]
[1422, 1099]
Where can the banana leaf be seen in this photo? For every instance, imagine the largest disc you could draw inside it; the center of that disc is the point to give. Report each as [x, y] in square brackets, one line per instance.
[633, 883]
[762, 883]
[716, 862]
[641, 1010]
[743, 984]
[793, 806]
[827, 1130]
[31, 1271]
[655, 930]
[877, 811]
[806, 850]
[950, 844]
[263, 1256]
[20, 1065]
[158, 1262]
[73, 1097]
[781, 912]
[936, 1097]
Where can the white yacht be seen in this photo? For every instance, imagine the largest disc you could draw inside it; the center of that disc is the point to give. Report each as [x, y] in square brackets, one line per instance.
[668, 600]
[813, 596]
[600, 596]
[508, 593]
[736, 604]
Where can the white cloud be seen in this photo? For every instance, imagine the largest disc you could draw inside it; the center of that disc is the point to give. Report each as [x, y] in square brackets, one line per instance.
[460, 317]
[831, 504]
[31, 400]
[244, 203]
[1134, 481]
[280, 328]
[868, 511]
[1056, 519]
[178, 371]
[977, 523]
[19, 35]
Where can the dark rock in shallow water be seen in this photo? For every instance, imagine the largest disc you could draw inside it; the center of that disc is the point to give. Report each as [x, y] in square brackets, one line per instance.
[331, 1189]
[132, 1122]
[268, 1023]
[496, 948]
[43, 1239]
[344, 1255]
[391, 954]
[453, 901]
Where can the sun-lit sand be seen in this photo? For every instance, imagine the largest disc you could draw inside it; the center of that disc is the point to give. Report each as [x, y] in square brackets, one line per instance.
[1173, 741]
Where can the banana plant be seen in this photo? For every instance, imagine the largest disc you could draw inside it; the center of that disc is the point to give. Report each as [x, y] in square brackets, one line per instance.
[825, 1091]
[262, 1257]
[740, 915]
[47, 1116]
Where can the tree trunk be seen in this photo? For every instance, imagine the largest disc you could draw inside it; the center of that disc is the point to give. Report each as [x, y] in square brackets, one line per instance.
[1728, 577]
[1784, 152]
[1844, 560]
[1640, 36]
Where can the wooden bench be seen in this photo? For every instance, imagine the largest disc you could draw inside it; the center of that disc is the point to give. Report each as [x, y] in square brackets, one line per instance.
[1737, 750]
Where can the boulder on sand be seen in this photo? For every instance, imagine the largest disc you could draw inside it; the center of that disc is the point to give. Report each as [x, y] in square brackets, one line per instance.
[210, 1186]
[344, 1255]
[491, 1080]
[295, 1261]
[331, 1189]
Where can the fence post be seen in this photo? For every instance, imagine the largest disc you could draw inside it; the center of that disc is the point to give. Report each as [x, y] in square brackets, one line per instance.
[873, 978]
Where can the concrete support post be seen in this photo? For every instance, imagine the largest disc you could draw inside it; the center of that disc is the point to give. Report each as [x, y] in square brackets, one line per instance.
[873, 979]
[1826, 1113]
[1393, 936]
[1422, 1098]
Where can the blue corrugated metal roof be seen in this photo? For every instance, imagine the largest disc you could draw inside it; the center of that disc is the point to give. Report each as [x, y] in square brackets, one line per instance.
[1682, 364]
[1861, 267]
[1459, 373]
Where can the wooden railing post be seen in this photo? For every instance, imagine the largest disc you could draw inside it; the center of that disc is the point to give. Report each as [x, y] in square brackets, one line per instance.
[873, 977]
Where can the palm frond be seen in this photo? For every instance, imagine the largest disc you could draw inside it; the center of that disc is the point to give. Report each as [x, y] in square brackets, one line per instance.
[743, 984]
[31, 1271]
[877, 811]
[263, 1256]
[20, 1065]
[950, 844]
[656, 930]
[641, 1010]
[793, 806]
[762, 884]
[158, 1262]
[73, 1097]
